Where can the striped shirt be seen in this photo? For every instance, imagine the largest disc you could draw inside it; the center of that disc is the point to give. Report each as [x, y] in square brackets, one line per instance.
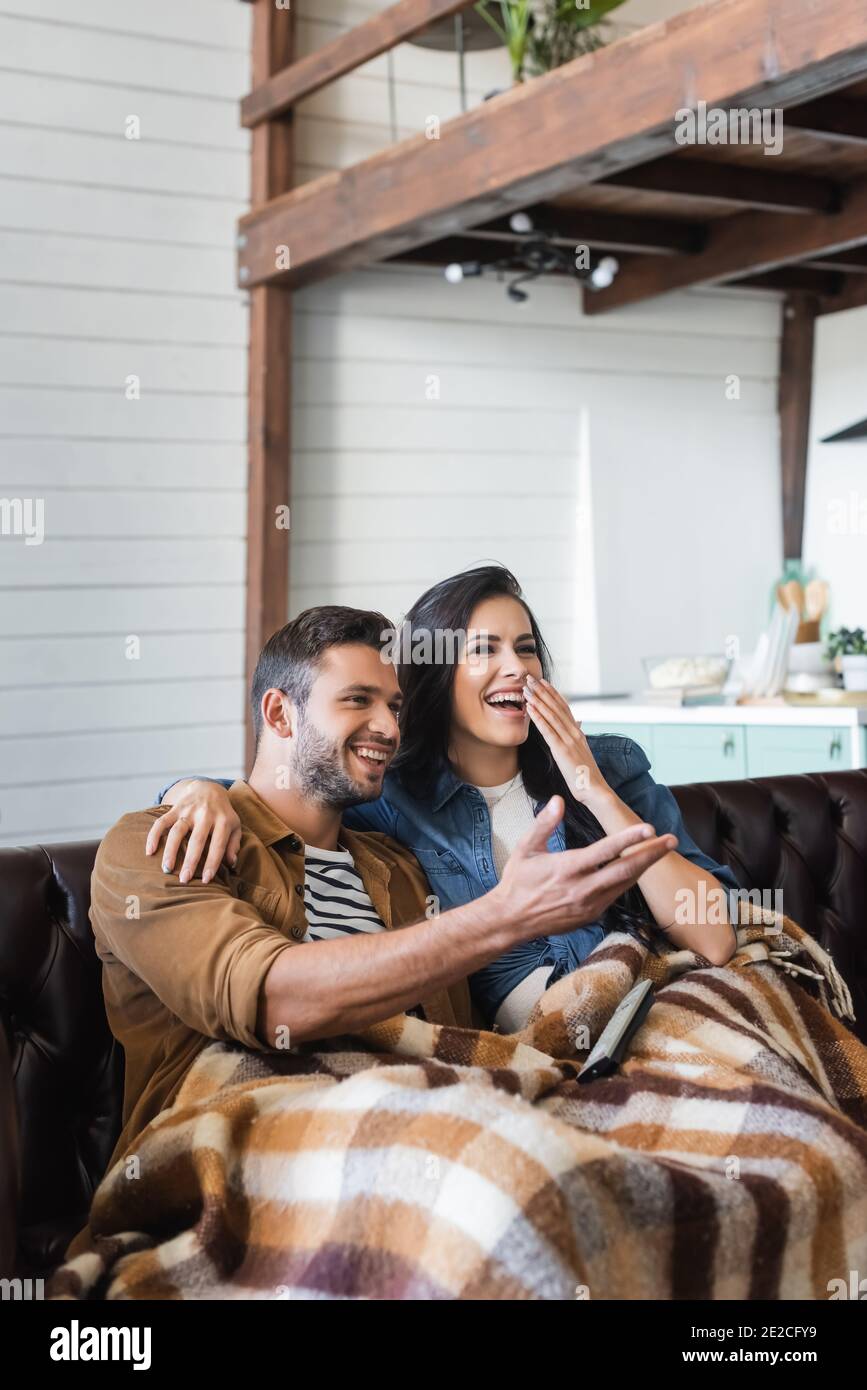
[335, 900]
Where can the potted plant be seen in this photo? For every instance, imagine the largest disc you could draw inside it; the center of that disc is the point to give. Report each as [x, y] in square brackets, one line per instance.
[849, 653]
[513, 27]
[564, 29]
[543, 34]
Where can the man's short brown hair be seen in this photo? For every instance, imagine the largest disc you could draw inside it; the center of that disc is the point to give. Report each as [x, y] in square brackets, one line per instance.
[289, 660]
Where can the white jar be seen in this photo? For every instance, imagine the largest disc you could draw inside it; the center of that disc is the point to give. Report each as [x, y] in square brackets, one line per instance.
[854, 672]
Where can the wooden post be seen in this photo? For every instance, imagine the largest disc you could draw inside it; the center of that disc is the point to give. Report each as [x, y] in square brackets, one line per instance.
[269, 406]
[795, 392]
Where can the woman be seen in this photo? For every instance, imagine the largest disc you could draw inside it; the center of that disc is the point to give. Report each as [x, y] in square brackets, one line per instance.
[486, 740]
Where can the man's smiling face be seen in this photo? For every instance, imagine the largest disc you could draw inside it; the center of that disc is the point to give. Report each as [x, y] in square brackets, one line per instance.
[347, 731]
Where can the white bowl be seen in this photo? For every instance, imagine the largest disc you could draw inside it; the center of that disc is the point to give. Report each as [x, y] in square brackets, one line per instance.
[687, 672]
[806, 682]
[809, 656]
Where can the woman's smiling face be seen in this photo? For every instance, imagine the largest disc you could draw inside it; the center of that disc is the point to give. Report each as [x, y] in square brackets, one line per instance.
[487, 695]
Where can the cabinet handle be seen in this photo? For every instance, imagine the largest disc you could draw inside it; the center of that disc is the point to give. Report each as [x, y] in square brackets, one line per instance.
[728, 746]
[836, 746]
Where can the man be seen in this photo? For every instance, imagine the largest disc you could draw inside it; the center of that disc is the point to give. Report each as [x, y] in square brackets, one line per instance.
[299, 939]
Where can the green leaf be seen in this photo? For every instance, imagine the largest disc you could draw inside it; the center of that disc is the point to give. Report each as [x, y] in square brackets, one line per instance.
[517, 18]
[482, 9]
[595, 11]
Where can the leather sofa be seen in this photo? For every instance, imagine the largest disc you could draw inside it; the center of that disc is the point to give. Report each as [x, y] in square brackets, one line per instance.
[61, 1071]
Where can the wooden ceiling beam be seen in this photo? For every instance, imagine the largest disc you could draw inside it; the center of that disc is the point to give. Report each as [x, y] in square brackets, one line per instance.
[834, 117]
[796, 279]
[852, 296]
[852, 262]
[278, 94]
[731, 183]
[587, 120]
[749, 244]
[459, 248]
[655, 236]
[454, 248]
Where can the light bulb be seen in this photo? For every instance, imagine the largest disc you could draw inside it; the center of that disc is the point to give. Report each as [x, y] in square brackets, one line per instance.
[454, 273]
[521, 222]
[603, 274]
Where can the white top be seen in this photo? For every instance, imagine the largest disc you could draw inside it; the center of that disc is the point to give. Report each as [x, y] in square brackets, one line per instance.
[336, 902]
[512, 814]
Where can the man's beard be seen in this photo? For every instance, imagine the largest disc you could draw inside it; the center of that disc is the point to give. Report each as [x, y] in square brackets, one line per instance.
[318, 771]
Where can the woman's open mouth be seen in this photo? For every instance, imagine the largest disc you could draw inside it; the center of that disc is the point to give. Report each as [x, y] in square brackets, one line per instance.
[508, 703]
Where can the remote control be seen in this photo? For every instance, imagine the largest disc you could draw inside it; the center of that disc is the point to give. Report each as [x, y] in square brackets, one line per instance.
[623, 1023]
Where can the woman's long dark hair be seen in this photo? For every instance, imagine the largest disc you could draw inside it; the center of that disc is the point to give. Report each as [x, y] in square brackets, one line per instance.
[425, 721]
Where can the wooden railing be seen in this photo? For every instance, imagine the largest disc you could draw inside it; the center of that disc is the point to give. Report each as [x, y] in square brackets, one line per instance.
[369, 40]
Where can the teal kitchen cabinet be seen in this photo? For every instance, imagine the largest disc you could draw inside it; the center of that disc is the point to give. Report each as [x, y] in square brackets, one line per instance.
[698, 753]
[773, 751]
[681, 750]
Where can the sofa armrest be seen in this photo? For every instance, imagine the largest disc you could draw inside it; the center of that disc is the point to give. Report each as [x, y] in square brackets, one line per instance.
[9, 1162]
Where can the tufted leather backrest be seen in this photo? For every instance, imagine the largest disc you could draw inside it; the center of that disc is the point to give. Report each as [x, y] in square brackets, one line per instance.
[806, 835]
[67, 1067]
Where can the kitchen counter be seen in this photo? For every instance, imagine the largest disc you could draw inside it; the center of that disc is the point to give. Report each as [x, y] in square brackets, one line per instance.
[629, 710]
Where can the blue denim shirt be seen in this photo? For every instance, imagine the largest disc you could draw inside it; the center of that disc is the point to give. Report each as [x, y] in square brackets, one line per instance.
[450, 835]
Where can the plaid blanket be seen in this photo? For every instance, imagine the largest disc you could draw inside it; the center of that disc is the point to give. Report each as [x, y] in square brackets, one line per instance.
[727, 1159]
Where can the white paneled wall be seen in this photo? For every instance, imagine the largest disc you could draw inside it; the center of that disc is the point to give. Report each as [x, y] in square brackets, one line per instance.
[117, 262]
[835, 531]
[545, 422]
[433, 428]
